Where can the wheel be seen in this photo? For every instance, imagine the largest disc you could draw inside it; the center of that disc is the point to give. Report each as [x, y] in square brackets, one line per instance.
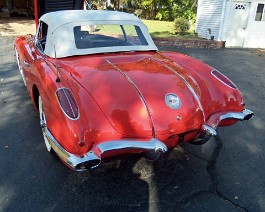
[20, 68]
[43, 124]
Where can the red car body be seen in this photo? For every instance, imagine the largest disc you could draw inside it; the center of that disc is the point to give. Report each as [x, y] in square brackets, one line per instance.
[118, 104]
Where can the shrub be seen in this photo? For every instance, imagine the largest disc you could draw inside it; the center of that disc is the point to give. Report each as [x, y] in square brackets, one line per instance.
[138, 13]
[182, 25]
[159, 16]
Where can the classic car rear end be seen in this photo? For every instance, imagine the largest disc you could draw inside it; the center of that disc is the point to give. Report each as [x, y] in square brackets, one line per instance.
[103, 89]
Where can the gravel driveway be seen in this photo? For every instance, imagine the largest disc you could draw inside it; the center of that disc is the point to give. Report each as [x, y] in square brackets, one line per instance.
[225, 174]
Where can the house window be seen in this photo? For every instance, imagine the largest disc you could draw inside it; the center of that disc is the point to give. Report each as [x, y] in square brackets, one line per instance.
[260, 13]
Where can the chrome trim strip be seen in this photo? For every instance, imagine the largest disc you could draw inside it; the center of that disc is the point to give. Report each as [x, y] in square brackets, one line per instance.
[20, 67]
[69, 102]
[186, 83]
[139, 93]
[37, 33]
[93, 157]
[236, 88]
[152, 144]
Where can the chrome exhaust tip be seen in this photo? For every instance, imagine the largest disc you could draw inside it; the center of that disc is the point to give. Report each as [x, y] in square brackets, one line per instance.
[205, 134]
[88, 165]
[153, 154]
[248, 114]
[208, 131]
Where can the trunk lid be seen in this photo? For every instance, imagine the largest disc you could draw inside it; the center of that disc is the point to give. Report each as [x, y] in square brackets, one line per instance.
[131, 88]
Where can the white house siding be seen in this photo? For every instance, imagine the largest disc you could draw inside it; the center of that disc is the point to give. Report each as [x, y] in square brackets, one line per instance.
[216, 15]
[255, 34]
[209, 16]
[226, 21]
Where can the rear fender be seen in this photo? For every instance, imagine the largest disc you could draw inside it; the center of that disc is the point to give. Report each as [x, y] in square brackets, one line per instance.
[214, 95]
[76, 136]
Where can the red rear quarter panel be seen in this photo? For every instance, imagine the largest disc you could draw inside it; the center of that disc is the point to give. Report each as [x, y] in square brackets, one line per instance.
[214, 95]
[92, 125]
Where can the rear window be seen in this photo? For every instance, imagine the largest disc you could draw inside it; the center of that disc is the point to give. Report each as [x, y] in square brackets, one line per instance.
[96, 36]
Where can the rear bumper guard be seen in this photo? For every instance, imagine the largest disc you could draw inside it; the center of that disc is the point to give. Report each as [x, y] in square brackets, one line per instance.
[92, 159]
[209, 128]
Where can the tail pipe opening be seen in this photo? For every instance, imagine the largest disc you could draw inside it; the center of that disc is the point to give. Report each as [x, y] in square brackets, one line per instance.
[83, 166]
[248, 115]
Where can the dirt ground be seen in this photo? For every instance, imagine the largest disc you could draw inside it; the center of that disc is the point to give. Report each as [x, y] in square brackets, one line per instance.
[16, 26]
[260, 52]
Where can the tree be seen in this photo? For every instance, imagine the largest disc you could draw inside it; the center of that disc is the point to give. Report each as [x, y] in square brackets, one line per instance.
[167, 9]
[161, 9]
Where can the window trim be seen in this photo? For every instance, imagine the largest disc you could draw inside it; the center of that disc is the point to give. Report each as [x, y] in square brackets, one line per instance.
[37, 37]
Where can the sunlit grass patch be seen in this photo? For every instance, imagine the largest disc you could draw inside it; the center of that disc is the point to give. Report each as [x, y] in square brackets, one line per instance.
[166, 29]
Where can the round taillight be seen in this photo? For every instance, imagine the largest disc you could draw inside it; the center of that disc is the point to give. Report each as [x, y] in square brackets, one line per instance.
[223, 79]
[67, 103]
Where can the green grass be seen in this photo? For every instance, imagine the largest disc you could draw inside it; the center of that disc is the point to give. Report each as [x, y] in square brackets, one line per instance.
[166, 29]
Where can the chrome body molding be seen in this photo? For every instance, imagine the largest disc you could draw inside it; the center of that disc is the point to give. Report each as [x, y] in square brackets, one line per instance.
[147, 145]
[92, 159]
[139, 94]
[209, 128]
[184, 81]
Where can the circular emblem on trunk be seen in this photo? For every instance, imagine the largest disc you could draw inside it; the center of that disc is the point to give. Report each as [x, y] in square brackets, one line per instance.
[173, 101]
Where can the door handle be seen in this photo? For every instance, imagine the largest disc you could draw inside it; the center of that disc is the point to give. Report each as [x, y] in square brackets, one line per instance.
[26, 63]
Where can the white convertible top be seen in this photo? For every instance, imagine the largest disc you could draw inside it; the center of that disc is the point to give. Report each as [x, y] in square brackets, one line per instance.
[57, 19]
[60, 35]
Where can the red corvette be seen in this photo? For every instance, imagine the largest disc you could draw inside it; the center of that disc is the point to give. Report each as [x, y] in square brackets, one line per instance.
[103, 89]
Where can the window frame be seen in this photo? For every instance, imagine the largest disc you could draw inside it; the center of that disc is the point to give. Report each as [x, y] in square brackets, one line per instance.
[38, 39]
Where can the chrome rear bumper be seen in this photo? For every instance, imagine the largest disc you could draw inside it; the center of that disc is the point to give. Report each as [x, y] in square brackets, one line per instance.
[209, 128]
[92, 159]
